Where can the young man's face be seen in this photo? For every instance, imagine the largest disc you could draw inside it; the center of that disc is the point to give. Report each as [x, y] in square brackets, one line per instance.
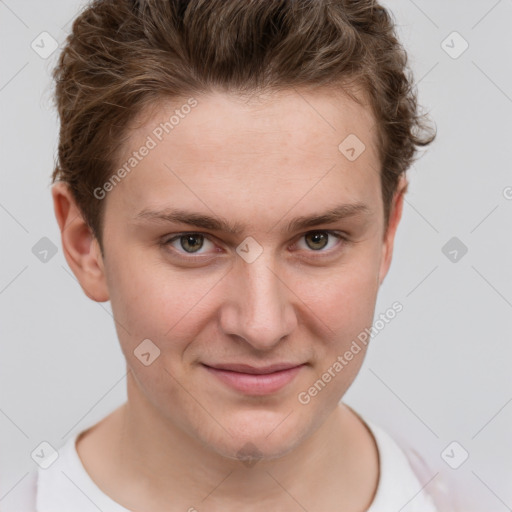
[270, 294]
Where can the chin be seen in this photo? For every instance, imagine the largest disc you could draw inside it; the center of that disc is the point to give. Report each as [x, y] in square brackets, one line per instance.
[249, 450]
[259, 436]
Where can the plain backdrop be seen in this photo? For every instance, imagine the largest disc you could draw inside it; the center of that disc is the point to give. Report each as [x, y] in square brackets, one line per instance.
[438, 373]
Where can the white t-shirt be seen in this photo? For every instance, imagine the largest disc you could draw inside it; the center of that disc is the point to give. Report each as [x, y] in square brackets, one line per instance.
[65, 486]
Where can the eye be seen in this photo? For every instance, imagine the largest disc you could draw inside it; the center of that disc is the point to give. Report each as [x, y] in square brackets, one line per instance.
[188, 243]
[317, 241]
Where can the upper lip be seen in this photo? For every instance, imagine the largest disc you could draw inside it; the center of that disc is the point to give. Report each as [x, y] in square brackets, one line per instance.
[261, 370]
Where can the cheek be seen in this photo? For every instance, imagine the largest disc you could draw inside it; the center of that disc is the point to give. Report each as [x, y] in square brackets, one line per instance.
[343, 298]
[345, 304]
[351, 303]
[149, 301]
[152, 301]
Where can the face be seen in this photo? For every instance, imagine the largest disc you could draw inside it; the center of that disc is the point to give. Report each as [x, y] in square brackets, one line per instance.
[217, 252]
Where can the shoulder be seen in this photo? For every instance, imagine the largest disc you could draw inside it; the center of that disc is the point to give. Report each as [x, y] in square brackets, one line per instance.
[62, 486]
[398, 484]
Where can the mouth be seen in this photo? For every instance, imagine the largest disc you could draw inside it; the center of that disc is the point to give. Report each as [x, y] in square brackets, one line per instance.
[253, 380]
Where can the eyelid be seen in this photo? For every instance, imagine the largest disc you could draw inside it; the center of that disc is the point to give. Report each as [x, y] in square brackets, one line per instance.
[341, 236]
[168, 240]
[342, 240]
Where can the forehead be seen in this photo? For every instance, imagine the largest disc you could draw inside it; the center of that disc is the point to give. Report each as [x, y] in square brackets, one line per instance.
[253, 150]
[295, 120]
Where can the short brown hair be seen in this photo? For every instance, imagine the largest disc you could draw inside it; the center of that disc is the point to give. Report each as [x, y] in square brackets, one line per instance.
[124, 55]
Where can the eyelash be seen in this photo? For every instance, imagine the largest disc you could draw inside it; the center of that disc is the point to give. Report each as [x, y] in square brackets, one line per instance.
[340, 236]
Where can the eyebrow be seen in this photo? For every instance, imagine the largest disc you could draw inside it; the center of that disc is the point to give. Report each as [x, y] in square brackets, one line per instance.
[179, 216]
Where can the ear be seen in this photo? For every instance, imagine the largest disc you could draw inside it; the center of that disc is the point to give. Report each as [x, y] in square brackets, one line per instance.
[80, 247]
[394, 218]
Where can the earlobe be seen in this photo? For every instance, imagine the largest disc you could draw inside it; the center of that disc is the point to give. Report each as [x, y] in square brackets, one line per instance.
[394, 219]
[80, 247]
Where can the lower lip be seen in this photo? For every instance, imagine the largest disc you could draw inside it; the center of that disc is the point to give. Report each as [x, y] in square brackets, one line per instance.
[252, 384]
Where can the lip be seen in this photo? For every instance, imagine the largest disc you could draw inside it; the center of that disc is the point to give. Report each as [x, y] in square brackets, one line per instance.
[255, 380]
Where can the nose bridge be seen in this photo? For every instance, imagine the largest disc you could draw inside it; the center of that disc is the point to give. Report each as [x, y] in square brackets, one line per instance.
[262, 313]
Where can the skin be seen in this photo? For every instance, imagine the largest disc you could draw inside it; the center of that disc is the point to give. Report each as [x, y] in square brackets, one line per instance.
[261, 163]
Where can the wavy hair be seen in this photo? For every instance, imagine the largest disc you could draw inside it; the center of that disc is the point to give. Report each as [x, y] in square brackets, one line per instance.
[123, 56]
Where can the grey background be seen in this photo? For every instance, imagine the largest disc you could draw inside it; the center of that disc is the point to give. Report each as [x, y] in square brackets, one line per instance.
[439, 372]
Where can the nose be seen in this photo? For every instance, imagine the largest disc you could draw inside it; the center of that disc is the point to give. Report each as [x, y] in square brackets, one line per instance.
[258, 307]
